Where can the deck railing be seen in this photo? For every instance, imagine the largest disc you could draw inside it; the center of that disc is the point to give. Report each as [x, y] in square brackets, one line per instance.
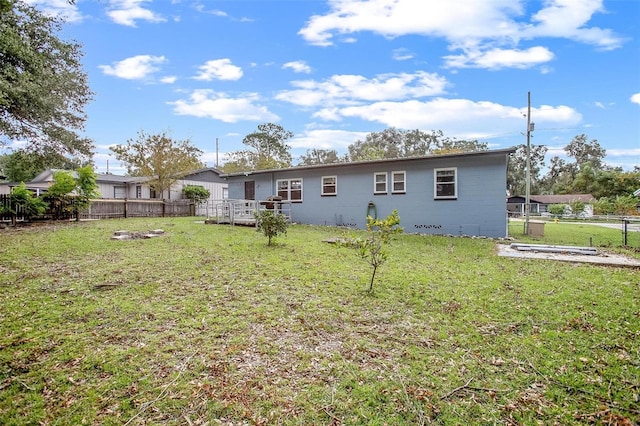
[242, 212]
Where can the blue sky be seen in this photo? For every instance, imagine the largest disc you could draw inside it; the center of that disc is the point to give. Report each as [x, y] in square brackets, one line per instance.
[332, 71]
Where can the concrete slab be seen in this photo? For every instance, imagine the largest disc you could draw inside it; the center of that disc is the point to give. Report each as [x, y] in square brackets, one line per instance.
[602, 258]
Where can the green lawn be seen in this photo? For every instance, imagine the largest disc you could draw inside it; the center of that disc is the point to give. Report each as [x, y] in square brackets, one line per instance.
[208, 325]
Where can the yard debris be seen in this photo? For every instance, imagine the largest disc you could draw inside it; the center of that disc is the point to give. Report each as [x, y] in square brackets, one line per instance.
[544, 248]
[105, 286]
[602, 258]
[136, 235]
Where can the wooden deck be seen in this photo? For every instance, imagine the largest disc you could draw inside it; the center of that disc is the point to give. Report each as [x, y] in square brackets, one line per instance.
[241, 212]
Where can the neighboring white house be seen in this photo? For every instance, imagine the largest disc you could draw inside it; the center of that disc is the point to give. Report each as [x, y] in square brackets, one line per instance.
[119, 187]
[539, 204]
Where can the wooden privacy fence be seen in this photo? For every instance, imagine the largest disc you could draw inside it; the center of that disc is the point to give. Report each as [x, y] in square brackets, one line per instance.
[121, 208]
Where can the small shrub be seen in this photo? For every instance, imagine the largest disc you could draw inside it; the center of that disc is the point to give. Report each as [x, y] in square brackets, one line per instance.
[69, 194]
[271, 224]
[577, 207]
[196, 193]
[557, 209]
[31, 206]
[603, 206]
[626, 205]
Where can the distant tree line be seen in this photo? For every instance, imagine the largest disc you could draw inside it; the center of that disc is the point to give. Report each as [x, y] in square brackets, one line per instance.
[584, 172]
[267, 148]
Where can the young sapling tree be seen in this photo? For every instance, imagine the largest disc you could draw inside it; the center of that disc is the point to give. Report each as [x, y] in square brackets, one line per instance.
[373, 247]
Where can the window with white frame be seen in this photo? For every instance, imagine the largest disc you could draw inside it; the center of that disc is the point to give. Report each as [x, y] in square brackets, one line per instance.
[138, 191]
[290, 189]
[380, 183]
[398, 182]
[446, 183]
[329, 185]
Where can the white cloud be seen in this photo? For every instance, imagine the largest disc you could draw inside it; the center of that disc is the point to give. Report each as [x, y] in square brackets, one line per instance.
[61, 8]
[628, 159]
[635, 98]
[393, 18]
[134, 68]
[216, 12]
[500, 58]
[127, 12]
[206, 103]
[219, 69]
[298, 66]
[326, 139]
[169, 79]
[631, 152]
[402, 55]
[487, 31]
[460, 118]
[568, 19]
[349, 89]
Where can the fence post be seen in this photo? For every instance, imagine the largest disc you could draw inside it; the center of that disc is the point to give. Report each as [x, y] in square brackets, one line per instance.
[126, 202]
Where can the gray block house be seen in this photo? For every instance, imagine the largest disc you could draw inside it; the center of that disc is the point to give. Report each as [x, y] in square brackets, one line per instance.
[457, 194]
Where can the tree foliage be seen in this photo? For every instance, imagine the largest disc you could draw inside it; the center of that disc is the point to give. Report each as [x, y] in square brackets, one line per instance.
[317, 156]
[577, 176]
[25, 202]
[395, 143]
[267, 149]
[196, 193]
[516, 169]
[72, 192]
[271, 224]
[160, 158]
[583, 172]
[43, 90]
[557, 209]
[23, 166]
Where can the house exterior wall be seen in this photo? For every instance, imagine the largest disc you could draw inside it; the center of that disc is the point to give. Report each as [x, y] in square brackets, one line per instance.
[479, 209]
[123, 187]
[216, 190]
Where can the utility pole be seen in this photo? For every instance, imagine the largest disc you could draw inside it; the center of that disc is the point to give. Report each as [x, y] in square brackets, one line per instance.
[217, 153]
[527, 202]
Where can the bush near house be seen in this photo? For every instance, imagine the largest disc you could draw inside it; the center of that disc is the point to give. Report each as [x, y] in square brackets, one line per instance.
[23, 201]
[195, 193]
[557, 209]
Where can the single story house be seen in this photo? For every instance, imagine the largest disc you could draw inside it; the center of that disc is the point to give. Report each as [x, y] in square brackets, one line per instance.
[458, 194]
[119, 187]
[540, 203]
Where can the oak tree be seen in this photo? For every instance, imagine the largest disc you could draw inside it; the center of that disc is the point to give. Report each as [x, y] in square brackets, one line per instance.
[160, 158]
[396, 143]
[43, 89]
[267, 149]
[317, 156]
